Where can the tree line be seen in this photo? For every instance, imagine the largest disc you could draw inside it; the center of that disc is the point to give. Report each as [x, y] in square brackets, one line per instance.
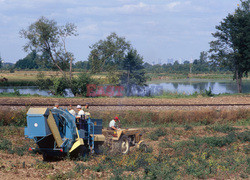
[46, 41]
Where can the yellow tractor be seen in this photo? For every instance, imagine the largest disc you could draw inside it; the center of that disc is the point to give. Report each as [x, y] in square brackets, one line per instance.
[121, 140]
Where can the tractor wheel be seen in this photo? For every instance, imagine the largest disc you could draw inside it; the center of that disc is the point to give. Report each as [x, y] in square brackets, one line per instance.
[124, 145]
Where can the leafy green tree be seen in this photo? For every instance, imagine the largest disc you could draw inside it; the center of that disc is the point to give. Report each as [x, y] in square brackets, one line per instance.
[82, 65]
[108, 54]
[29, 62]
[201, 65]
[79, 84]
[47, 37]
[232, 45]
[134, 74]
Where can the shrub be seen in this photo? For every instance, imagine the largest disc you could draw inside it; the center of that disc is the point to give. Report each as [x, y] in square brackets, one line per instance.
[224, 128]
[43, 165]
[5, 144]
[79, 84]
[187, 127]
[16, 118]
[244, 136]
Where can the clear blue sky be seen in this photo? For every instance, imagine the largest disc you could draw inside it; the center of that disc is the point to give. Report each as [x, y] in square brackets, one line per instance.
[158, 29]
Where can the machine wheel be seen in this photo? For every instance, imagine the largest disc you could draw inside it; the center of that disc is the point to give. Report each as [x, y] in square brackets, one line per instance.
[124, 145]
[47, 157]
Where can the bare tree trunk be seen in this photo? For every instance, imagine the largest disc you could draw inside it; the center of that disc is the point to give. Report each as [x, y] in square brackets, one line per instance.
[128, 87]
[239, 82]
[70, 70]
[70, 64]
[57, 64]
[240, 85]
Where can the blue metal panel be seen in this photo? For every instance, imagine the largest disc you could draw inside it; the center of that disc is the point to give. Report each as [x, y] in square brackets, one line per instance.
[37, 126]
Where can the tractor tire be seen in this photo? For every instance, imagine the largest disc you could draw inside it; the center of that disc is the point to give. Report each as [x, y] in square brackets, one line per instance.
[123, 145]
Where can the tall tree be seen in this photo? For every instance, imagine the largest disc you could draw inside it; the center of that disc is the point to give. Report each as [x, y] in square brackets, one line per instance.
[47, 37]
[134, 74]
[108, 54]
[201, 65]
[232, 47]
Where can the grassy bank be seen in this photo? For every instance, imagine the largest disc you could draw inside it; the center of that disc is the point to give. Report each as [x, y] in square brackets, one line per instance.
[27, 78]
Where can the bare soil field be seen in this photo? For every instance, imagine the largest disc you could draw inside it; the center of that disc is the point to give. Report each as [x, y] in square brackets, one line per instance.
[213, 151]
[169, 145]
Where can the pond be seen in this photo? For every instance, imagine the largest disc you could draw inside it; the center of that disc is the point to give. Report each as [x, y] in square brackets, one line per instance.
[182, 86]
[195, 85]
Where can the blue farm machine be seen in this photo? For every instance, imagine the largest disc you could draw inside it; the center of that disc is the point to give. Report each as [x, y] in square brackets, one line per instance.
[57, 133]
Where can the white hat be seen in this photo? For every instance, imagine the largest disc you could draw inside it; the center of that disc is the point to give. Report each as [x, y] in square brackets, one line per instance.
[78, 107]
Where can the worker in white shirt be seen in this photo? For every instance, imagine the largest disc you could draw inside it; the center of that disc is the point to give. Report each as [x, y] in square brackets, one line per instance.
[71, 110]
[80, 111]
[56, 106]
[112, 124]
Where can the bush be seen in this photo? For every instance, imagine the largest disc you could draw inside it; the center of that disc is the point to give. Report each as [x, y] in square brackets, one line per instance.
[223, 128]
[244, 136]
[79, 84]
[16, 118]
[5, 144]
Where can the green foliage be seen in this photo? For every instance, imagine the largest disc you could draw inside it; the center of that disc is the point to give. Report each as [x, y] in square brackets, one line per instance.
[82, 65]
[43, 165]
[224, 128]
[63, 176]
[12, 70]
[5, 144]
[18, 83]
[108, 53]
[59, 86]
[244, 136]
[15, 118]
[134, 75]
[157, 133]
[0, 62]
[29, 62]
[16, 92]
[46, 37]
[209, 92]
[187, 127]
[43, 83]
[232, 47]
[80, 168]
[79, 84]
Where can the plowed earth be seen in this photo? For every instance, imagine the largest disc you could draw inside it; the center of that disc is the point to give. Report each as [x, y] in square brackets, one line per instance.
[31, 166]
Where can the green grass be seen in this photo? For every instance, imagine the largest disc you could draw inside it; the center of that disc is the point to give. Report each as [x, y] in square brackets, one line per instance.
[156, 134]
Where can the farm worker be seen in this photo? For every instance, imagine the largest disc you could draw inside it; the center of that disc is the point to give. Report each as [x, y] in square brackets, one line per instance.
[112, 123]
[86, 111]
[71, 110]
[80, 111]
[56, 106]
